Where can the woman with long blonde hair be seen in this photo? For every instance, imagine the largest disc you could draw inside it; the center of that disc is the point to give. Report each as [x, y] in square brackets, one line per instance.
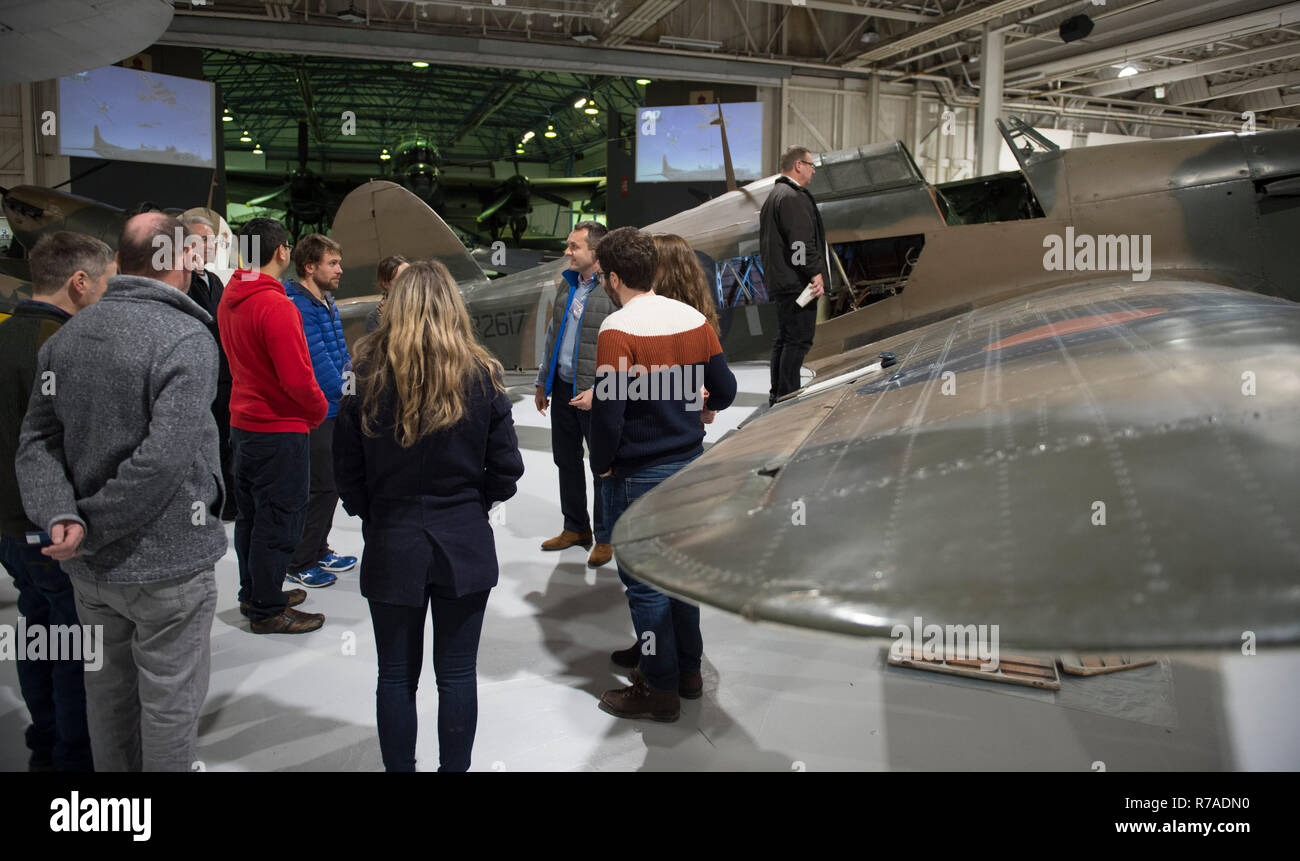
[679, 276]
[422, 450]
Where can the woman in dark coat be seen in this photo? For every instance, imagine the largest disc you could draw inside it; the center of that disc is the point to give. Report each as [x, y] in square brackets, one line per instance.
[421, 452]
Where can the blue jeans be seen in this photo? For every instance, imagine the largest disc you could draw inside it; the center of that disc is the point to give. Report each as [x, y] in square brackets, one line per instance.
[54, 691]
[677, 645]
[399, 642]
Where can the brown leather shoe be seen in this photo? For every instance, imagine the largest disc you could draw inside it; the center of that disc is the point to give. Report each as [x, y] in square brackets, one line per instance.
[291, 621]
[639, 700]
[600, 554]
[294, 597]
[690, 686]
[567, 538]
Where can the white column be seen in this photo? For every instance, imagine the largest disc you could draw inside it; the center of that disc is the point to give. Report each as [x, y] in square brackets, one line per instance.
[989, 141]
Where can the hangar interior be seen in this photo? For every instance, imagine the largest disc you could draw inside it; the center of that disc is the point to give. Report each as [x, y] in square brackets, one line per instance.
[456, 100]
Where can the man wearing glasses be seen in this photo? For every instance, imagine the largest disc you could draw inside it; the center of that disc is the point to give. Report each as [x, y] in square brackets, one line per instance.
[274, 403]
[792, 241]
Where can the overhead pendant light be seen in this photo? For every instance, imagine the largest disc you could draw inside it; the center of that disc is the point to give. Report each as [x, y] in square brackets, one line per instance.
[257, 149]
[529, 135]
[643, 81]
[384, 156]
[226, 117]
[550, 132]
[419, 64]
[245, 138]
[519, 150]
[1128, 71]
[580, 102]
[591, 109]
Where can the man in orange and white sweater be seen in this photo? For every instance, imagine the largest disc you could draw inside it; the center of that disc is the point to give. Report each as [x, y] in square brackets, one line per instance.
[658, 364]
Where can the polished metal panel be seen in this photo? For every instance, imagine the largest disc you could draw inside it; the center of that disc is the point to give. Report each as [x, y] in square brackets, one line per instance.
[973, 498]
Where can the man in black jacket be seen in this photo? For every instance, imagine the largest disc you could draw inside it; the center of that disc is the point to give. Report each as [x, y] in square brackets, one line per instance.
[792, 241]
[70, 271]
[206, 289]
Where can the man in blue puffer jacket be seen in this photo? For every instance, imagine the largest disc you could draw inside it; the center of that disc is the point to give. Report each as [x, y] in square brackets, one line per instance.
[318, 261]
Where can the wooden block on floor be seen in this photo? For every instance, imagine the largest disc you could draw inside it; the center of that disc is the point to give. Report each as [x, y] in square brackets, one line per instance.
[1012, 669]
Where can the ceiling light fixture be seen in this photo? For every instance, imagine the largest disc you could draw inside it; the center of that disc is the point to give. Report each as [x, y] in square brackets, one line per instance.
[591, 109]
[580, 102]
[245, 138]
[684, 42]
[351, 16]
[1128, 71]
[869, 36]
[529, 135]
[257, 149]
[549, 133]
[419, 64]
[1160, 92]
[226, 117]
[519, 150]
[643, 81]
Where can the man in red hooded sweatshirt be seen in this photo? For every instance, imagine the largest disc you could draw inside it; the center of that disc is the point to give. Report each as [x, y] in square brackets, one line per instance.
[274, 403]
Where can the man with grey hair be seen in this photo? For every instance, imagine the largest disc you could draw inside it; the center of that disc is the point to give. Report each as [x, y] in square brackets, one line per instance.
[70, 272]
[206, 289]
[118, 461]
[792, 241]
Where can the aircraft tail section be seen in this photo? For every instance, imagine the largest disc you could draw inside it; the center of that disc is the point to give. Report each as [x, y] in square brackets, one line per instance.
[379, 219]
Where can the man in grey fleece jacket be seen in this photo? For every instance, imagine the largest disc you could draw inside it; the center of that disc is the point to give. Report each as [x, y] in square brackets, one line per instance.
[119, 462]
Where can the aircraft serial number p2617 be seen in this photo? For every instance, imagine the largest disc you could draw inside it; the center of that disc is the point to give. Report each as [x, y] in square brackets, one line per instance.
[500, 324]
[1195, 803]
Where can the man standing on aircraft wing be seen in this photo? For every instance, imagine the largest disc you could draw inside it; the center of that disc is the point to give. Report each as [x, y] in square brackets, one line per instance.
[568, 375]
[656, 358]
[792, 241]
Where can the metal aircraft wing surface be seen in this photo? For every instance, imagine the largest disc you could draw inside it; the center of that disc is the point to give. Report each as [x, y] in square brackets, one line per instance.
[1112, 465]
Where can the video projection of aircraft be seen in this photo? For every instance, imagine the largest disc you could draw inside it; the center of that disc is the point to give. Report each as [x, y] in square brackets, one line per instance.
[1091, 458]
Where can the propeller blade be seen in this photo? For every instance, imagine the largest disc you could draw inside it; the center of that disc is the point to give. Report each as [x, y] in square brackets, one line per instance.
[492, 210]
[258, 201]
[553, 198]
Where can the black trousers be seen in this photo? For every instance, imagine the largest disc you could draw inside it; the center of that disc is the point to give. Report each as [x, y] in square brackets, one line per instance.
[221, 412]
[570, 428]
[271, 481]
[321, 501]
[794, 338]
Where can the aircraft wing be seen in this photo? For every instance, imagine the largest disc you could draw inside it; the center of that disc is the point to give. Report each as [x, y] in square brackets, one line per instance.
[1111, 466]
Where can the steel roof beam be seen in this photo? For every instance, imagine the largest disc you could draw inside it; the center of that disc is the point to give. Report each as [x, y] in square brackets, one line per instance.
[211, 31]
[946, 26]
[1194, 69]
